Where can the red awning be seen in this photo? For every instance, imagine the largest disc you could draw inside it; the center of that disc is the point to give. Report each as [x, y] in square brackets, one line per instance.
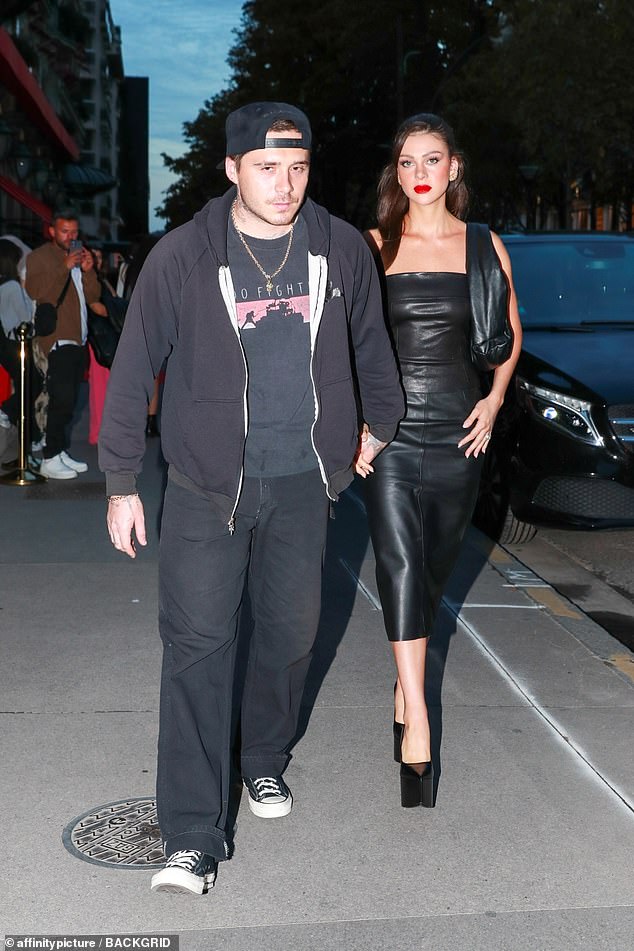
[15, 75]
[25, 198]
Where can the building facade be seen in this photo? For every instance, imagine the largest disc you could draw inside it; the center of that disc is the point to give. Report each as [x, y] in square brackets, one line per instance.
[62, 92]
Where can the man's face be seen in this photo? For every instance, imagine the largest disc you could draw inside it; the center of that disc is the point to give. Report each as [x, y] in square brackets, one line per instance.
[63, 231]
[271, 186]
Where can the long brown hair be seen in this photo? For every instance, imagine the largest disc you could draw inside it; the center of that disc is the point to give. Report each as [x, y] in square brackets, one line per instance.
[10, 255]
[393, 204]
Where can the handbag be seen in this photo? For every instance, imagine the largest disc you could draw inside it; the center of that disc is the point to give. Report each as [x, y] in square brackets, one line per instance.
[103, 338]
[491, 334]
[45, 317]
[116, 306]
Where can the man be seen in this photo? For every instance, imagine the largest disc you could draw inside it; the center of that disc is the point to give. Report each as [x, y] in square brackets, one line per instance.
[256, 304]
[63, 271]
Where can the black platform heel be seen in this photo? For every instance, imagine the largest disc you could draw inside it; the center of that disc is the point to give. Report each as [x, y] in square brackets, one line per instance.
[417, 785]
[397, 730]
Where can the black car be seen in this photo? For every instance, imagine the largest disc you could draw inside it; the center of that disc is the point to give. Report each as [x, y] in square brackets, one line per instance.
[562, 451]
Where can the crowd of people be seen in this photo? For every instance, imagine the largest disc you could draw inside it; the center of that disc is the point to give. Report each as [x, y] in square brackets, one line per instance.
[296, 353]
[56, 290]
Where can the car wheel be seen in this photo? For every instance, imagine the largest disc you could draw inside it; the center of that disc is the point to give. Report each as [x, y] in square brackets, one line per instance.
[492, 505]
[493, 514]
[515, 531]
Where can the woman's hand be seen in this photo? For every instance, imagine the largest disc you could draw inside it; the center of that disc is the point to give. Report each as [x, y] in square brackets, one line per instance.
[481, 419]
[369, 448]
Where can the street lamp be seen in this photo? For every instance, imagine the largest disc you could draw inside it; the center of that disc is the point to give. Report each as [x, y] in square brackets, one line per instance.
[23, 160]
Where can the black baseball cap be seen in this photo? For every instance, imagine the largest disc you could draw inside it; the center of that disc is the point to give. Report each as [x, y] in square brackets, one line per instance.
[246, 127]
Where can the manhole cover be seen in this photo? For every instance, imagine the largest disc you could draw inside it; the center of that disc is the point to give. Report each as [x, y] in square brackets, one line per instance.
[122, 834]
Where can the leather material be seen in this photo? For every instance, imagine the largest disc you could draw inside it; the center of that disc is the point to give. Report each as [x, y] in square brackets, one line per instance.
[421, 496]
[491, 334]
[430, 320]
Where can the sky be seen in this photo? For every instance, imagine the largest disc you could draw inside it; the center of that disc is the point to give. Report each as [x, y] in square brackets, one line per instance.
[182, 46]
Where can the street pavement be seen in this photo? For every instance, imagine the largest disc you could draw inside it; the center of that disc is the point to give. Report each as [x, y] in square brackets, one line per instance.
[530, 845]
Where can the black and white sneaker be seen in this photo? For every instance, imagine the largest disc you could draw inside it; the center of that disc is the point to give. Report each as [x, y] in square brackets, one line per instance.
[186, 871]
[269, 796]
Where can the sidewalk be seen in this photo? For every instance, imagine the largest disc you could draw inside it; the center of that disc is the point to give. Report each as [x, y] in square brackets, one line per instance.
[530, 845]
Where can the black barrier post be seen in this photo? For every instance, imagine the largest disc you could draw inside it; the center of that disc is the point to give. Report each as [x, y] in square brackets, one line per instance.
[22, 474]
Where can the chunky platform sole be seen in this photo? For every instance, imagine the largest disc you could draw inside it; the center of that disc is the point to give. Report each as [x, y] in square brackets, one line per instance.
[417, 785]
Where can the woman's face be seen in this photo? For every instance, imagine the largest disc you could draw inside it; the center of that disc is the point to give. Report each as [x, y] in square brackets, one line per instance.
[424, 168]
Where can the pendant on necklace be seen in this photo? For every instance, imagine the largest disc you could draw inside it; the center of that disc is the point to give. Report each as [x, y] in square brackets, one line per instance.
[269, 287]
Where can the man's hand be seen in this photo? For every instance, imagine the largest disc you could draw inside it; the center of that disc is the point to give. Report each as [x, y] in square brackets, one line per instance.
[86, 260]
[125, 520]
[369, 448]
[74, 259]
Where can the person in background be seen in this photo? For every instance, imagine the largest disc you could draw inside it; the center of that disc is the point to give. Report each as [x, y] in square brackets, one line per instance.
[63, 270]
[421, 496]
[260, 429]
[97, 374]
[16, 308]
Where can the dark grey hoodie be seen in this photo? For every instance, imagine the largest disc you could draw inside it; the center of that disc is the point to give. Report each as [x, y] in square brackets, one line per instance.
[183, 310]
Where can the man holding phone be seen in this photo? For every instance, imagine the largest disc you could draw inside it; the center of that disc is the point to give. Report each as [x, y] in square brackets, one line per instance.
[62, 273]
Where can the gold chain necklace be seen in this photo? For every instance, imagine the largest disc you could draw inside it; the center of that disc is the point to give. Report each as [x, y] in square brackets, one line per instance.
[269, 277]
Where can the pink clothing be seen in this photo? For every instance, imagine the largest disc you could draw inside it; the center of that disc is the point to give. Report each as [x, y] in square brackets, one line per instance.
[97, 385]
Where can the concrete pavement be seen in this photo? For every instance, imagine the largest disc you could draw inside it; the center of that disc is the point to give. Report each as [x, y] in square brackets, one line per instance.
[530, 845]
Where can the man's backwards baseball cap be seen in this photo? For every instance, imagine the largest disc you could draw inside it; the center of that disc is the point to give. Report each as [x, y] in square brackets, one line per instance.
[246, 127]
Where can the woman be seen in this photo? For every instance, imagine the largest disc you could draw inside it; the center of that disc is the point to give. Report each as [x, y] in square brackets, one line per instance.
[15, 308]
[421, 496]
[98, 375]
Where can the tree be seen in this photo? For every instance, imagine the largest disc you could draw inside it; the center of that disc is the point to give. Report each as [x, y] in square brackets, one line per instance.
[353, 67]
[535, 84]
[546, 95]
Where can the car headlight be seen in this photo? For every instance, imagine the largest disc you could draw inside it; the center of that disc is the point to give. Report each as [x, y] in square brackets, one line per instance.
[566, 413]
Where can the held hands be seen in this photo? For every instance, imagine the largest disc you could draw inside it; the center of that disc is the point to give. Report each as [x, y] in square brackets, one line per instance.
[369, 448]
[482, 420]
[125, 517]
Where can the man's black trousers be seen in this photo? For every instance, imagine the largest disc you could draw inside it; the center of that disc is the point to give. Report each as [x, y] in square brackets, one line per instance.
[66, 370]
[277, 548]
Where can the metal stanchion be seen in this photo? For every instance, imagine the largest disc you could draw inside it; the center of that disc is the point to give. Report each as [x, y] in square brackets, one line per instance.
[22, 474]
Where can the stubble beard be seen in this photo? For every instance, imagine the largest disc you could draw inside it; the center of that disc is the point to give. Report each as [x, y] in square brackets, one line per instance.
[274, 220]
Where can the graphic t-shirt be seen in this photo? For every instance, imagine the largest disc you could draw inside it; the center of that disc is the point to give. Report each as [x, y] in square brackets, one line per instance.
[275, 334]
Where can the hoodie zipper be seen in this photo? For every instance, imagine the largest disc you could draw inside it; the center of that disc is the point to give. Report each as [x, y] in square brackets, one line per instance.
[228, 294]
[317, 277]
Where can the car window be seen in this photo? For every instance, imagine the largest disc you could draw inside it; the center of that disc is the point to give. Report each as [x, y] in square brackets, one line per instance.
[573, 282]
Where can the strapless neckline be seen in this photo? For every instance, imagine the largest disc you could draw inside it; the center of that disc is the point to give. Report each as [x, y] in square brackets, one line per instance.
[428, 274]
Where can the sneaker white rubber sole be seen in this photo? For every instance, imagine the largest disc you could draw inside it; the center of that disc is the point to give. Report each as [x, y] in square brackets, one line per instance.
[181, 881]
[270, 810]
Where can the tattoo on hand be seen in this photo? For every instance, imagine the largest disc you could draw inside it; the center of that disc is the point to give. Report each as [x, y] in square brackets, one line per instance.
[372, 442]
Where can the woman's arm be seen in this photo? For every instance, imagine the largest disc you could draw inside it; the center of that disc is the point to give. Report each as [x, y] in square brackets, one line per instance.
[481, 420]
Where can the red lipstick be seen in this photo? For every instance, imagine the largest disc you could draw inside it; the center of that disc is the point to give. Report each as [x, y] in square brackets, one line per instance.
[422, 189]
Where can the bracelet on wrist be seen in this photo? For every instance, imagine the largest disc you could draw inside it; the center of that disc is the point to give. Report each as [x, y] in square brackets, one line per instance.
[120, 498]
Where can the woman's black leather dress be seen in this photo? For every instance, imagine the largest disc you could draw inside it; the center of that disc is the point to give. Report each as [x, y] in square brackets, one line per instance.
[421, 496]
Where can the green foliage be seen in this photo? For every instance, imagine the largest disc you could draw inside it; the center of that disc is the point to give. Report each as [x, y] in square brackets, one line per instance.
[544, 83]
[555, 92]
